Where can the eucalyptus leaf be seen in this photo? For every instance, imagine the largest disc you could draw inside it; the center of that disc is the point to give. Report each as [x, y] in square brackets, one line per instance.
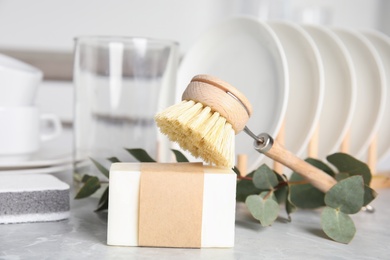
[320, 165]
[281, 194]
[179, 156]
[281, 177]
[263, 207]
[236, 170]
[89, 188]
[280, 190]
[289, 205]
[245, 187]
[342, 175]
[346, 195]
[85, 178]
[303, 194]
[103, 202]
[101, 168]
[264, 178]
[348, 164]
[337, 225]
[113, 159]
[141, 155]
[369, 195]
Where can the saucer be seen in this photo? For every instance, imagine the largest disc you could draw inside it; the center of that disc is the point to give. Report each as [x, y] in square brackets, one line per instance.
[53, 153]
[37, 161]
[44, 170]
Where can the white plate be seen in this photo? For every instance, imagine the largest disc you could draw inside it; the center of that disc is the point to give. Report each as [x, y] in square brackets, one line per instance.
[45, 170]
[339, 90]
[247, 54]
[381, 42]
[371, 91]
[306, 85]
[38, 160]
[53, 153]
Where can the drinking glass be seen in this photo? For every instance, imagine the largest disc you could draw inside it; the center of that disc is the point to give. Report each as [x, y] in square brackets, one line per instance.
[120, 84]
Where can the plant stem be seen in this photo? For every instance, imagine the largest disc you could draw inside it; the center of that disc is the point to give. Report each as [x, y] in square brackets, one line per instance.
[244, 178]
[268, 194]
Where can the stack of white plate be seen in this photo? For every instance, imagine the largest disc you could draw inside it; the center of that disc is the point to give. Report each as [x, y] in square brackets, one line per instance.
[54, 157]
[323, 86]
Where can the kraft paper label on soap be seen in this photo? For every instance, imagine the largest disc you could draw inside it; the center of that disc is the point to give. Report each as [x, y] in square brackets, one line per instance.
[171, 203]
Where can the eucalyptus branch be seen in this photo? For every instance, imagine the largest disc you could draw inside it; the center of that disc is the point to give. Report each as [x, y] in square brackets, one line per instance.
[263, 190]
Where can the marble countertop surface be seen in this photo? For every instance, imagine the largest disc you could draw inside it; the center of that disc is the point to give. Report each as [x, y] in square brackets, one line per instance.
[83, 236]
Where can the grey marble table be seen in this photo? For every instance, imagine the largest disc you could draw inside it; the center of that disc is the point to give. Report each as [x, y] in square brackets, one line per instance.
[83, 236]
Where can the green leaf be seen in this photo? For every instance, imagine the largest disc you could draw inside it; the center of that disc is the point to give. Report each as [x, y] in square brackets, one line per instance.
[348, 164]
[263, 207]
[141, 155]
[289, 205]
[281, 190]
[347, 195]
[281, 194]
[342, 175]
[103, 202]
[85, 178]
[337, 225]
[281, 177]
[320, 165]
[101, 168]
[104, 196]
[179, 156]
[236, 170]
[245, 188]
[303, 194]
[113, 159]
[369, 195]
[264, 178]
[89, 188]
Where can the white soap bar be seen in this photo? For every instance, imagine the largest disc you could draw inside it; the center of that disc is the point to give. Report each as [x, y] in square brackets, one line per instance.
[218, 213]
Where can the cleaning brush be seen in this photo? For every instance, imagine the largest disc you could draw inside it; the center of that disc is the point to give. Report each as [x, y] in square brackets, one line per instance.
[205, 123]
[209, 117]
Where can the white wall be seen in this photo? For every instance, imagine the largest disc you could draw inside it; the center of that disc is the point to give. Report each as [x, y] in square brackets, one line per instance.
[350, 13]
[52, 24]
[384, 23]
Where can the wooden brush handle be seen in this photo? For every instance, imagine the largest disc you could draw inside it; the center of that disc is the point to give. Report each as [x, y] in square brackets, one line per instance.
[236, 109]
[315, 176]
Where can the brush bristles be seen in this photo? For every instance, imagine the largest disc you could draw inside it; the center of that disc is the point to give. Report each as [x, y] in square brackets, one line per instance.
[200, 131]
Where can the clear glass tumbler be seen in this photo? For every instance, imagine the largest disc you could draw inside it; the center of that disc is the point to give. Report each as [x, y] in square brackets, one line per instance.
[120, 84]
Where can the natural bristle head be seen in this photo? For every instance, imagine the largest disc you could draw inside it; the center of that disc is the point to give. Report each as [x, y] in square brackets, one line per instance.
[200, 131]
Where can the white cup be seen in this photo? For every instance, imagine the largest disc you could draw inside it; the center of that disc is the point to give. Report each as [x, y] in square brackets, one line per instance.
[18, 82]
[22, 131]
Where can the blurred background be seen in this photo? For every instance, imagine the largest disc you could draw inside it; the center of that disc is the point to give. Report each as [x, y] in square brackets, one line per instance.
[51, 25]
[42, 32]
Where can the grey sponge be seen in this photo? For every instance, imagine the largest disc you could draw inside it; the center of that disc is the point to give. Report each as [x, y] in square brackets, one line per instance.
[32, 198]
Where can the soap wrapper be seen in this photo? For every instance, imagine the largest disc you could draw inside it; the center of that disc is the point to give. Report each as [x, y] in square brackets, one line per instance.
[171, 205]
